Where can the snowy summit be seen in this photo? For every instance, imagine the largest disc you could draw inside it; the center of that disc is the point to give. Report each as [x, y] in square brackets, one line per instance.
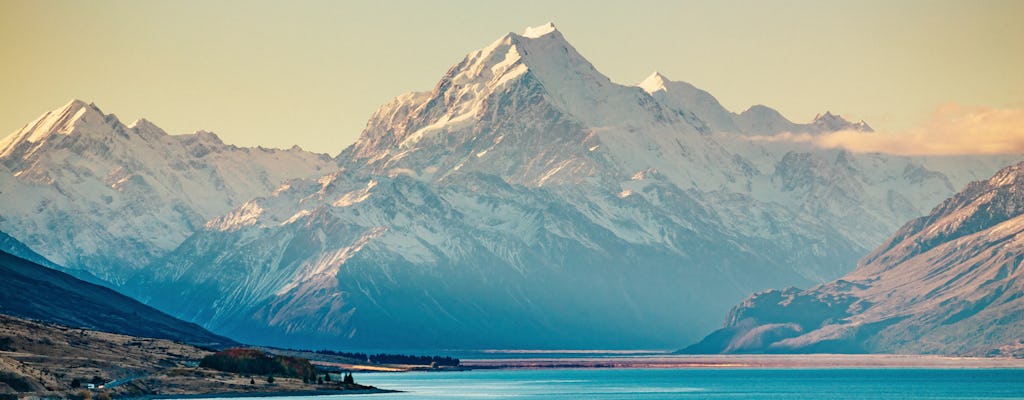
[654, 83]
[534, 32]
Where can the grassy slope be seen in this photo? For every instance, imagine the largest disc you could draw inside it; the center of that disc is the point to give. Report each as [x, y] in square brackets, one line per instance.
[42, 359]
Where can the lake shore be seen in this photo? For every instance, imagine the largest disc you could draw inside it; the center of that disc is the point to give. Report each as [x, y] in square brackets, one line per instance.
[233, 395]
[756, 361]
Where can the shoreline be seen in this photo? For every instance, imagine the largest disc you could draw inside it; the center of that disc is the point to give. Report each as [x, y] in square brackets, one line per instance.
[750, 361]
[236, 395]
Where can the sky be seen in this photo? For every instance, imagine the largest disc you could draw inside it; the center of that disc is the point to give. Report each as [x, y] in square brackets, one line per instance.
[280, 73]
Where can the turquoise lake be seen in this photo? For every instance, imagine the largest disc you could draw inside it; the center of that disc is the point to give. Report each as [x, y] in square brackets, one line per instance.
[701, 384]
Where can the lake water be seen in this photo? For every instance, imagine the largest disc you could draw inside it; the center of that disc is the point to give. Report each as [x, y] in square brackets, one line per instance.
[701, 384]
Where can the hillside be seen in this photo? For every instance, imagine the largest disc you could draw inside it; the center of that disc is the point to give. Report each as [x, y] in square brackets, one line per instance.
[45, 358]
[946, 283]
[29, 290]
[45, 361]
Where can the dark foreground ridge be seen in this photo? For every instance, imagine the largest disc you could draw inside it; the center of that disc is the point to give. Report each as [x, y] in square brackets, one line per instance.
[30, 290]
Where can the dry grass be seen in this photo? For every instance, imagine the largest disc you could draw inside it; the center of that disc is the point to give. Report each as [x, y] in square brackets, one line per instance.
[52, 356]
[42, 359]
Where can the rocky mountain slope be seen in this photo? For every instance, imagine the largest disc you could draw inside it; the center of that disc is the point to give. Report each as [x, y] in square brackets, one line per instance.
[91, 193]
[528, 196]
[948, 283]
[30, 290]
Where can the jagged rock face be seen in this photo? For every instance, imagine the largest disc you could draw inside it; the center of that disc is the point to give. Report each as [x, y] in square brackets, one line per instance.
[946, 283]
[91, 193]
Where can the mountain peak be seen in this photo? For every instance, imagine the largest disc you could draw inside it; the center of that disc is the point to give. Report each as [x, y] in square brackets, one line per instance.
[655, 82]
[829, 122]
[828, 116]
[534, 32]
[145, 125]
[75, 116]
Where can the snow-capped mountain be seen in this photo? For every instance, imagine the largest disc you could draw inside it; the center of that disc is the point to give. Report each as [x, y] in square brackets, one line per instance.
[527, 197]
[947, 283]
[90, 193]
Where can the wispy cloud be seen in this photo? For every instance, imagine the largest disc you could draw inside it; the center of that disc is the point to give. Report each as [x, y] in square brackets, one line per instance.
[952, 130]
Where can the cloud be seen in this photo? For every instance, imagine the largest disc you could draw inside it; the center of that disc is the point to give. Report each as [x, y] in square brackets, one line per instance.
[952, 130]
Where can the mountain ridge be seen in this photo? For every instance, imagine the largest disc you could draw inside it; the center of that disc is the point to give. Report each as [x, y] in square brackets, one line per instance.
[97, 182]
[945, 283]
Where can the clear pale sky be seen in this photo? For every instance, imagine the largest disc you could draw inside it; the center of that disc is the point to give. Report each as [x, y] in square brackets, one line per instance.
[312, 72]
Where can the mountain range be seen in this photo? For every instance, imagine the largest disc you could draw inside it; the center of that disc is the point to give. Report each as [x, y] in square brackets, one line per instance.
[949, 282]
[93, 194]
[527, 201]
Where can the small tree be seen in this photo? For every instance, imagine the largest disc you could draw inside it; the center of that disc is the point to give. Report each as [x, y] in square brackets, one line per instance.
[252, 381]
[76, 383]
[348, 378]
[320, 380]
[327, 376]
[270, 379]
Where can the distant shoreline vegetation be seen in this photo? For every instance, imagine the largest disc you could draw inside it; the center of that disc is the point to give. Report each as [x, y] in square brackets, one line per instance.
[382, 358]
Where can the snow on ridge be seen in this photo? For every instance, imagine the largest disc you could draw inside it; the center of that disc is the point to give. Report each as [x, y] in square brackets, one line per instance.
[325, 268]
[74, 116]
[248, 214]
[297, 216]
[655, 82]
[534, 32]
[355, 196]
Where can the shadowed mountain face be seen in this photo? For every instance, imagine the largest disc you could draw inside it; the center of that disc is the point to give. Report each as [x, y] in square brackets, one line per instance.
[30, 290]
[947, 283]
[526, 201]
